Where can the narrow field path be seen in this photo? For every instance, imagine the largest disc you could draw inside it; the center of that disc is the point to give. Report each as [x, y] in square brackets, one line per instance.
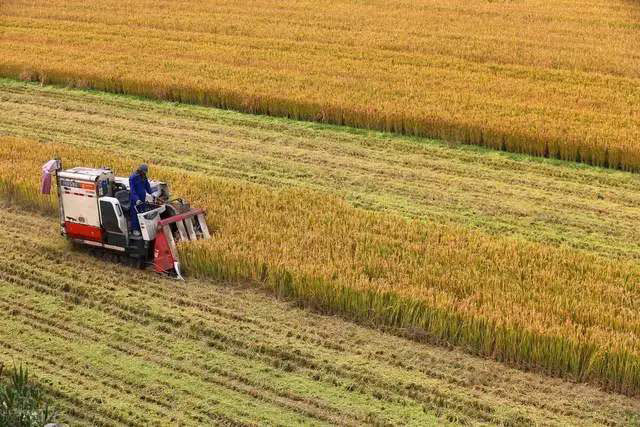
[554, 202]
[121, 346]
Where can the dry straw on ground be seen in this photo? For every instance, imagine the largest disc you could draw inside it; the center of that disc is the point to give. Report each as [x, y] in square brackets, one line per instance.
[556, 310]
[556, 79]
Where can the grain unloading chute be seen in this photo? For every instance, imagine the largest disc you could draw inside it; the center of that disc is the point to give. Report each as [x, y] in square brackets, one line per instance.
[95, 211]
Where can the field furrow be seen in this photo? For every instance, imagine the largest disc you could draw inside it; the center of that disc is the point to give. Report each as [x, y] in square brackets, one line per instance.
[213, 383]
[151, 350]
[30, 266]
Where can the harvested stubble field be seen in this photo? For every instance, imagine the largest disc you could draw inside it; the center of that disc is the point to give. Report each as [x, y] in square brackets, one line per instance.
[550, 78]
[132, 348]
[557, 310]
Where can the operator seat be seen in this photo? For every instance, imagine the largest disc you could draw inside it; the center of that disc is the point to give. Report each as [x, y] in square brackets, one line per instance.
[123, 198]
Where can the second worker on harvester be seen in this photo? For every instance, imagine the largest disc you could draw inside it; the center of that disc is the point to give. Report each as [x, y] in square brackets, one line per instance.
[138, 189]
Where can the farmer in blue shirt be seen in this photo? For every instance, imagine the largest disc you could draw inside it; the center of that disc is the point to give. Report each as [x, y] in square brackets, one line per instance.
[138, 189]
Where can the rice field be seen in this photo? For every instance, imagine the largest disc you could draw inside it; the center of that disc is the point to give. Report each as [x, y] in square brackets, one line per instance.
[132, 348]
[554, 79]
[502, 194]
[560, 311]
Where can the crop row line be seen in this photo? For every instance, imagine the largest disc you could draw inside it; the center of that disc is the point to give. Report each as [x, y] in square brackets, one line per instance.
[262, 350]
[153, 350]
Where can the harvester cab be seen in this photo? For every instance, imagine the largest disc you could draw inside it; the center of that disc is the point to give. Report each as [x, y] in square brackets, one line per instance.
[94, 211]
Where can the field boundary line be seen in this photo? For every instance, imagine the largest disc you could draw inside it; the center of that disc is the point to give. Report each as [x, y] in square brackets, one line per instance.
[618, 158]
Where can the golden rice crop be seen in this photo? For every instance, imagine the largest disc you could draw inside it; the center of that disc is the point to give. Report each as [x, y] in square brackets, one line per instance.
[545, 201]
[557, 310]
[556, 79]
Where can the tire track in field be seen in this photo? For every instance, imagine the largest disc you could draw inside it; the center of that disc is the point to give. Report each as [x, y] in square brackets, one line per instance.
[111, 382]
[276, 357]
[75, 377]
[151, 354]
[63, 371]
[414, 393]
[97, 331]
[172, 322]
[39, 323]
[424, 396]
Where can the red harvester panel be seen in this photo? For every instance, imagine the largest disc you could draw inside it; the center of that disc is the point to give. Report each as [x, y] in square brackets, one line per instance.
[179, 217]
[81, 231]
[162, 258]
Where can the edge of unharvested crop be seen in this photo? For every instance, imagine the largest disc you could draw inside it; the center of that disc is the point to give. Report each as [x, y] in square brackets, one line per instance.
[404, 124]
[515, 346]
[512, 344]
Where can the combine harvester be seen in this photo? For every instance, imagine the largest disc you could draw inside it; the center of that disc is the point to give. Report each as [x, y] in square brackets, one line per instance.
[94, 212]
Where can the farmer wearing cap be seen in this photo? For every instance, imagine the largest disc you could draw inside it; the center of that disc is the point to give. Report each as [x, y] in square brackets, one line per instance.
[138, 189]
